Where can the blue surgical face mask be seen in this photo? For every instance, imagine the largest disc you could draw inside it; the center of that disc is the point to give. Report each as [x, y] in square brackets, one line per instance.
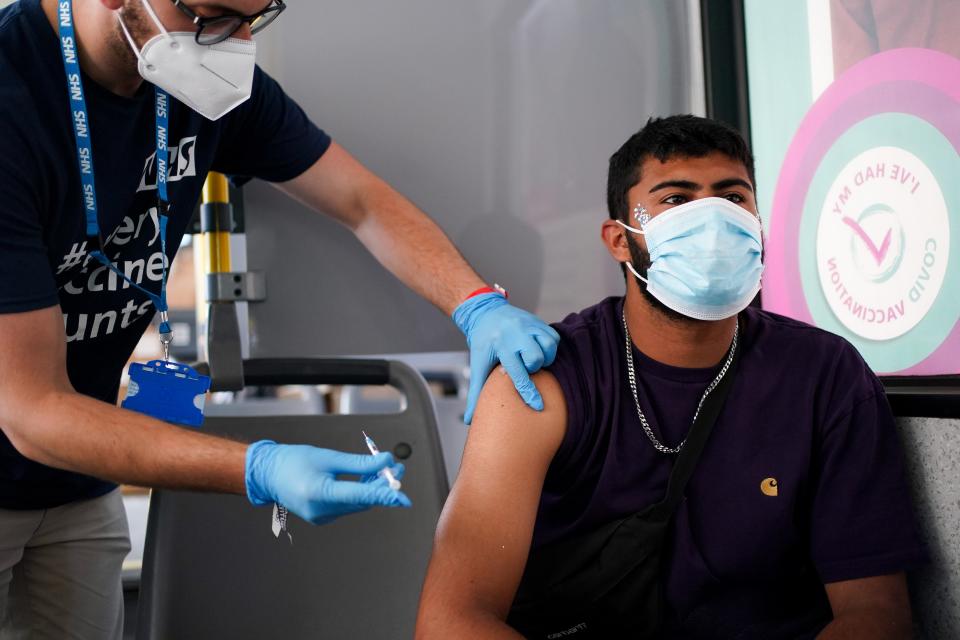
[704, 258]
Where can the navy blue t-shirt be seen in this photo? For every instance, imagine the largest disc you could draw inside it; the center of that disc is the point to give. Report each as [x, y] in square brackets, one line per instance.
[43, 252]
[801, 482]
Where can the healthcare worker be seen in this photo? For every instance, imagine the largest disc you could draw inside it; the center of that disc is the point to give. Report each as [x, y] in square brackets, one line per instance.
[111, 114]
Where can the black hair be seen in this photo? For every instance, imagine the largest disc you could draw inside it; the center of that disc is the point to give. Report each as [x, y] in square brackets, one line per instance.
[680, 136]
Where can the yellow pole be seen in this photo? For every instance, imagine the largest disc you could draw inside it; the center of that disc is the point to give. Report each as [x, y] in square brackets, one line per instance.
[216, 241]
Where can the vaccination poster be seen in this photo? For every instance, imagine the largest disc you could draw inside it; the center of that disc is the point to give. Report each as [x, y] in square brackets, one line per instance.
[855, 123]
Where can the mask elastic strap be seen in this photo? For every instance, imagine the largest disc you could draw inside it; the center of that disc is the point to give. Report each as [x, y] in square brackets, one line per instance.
[634, 272]
[153, 16]
[133, 45]
[628, 263]
[629, 228]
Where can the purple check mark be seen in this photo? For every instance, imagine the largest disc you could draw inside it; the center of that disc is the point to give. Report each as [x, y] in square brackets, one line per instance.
[878, 254]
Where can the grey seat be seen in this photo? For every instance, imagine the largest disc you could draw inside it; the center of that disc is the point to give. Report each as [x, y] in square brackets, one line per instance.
[447, 373]
[932, 448]
[213, 569]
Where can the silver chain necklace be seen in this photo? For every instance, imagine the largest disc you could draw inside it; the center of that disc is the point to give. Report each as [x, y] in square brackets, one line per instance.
[633, 386]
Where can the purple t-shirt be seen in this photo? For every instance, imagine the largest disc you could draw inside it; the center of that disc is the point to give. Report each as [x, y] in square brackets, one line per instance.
[805, 414]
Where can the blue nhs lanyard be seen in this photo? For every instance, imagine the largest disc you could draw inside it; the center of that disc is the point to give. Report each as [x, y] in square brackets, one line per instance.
[81, 132]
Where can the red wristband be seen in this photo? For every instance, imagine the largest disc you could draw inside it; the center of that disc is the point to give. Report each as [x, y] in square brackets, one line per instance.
[494, 289]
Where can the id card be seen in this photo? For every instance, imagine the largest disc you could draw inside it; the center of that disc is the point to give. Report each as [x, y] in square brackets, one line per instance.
[167, 391]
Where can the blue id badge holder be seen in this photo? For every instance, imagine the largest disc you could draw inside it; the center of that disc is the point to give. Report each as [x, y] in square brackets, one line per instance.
[167, 391]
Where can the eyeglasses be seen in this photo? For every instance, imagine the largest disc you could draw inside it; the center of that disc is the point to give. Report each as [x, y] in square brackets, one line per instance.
[218, 28]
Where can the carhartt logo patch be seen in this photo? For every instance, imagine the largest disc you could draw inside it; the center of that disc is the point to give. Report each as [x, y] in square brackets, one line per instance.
[769, 487]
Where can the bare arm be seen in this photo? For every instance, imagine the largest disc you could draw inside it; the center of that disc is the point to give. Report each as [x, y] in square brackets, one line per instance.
[877, 608]
[484, 534]
[401, 236]
[48, 422]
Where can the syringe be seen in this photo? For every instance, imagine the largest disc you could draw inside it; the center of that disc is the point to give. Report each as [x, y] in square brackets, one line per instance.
[385, 472]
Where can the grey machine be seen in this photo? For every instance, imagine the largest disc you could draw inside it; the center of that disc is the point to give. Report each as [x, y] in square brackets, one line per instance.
[213, 569]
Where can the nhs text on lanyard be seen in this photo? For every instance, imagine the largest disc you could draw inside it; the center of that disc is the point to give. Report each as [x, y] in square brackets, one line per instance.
[160, 388]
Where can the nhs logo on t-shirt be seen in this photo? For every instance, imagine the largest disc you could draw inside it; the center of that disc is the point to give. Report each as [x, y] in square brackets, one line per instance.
[183, 164]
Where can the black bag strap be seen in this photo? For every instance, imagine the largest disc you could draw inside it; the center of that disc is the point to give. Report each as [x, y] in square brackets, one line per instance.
[696, 440]
[609, 576]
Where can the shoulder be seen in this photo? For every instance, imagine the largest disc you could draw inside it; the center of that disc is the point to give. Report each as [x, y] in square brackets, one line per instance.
[778, 335]
[788, 326]
[812, 363]
[590, 343]
[21, 72]
[18, 104]
[506, 432]
[263, 81]
[18, 46]
[501, 409]
[23, 133]
[589, 320]
[585, 333]
[16, 97]
[26, 155]
[588, 358]
[9, 19]
[265, 93]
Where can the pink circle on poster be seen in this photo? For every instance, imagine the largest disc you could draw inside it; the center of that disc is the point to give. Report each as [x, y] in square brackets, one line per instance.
[920, 82]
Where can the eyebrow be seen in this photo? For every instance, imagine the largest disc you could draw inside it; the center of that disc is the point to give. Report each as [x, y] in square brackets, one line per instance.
[731, 182]
[677, 184]
[689, 185]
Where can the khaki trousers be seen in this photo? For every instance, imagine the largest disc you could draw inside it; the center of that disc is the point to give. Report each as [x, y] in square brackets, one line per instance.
[60, 570]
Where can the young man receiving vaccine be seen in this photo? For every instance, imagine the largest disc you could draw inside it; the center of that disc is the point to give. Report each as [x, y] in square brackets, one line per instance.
[701, 469]
[111, 114]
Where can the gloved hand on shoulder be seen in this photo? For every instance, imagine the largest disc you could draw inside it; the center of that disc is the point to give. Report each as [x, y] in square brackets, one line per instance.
[496, 332]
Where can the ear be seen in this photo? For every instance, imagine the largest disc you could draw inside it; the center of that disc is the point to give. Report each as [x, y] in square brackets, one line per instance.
[614, 238]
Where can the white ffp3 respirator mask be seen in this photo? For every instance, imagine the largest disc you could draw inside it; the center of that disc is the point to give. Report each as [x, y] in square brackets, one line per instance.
[210, 79]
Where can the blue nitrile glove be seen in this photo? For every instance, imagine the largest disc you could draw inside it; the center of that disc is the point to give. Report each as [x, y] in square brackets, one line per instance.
[304, 480]
[378, 479]
[497, 331]
[375, 480]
